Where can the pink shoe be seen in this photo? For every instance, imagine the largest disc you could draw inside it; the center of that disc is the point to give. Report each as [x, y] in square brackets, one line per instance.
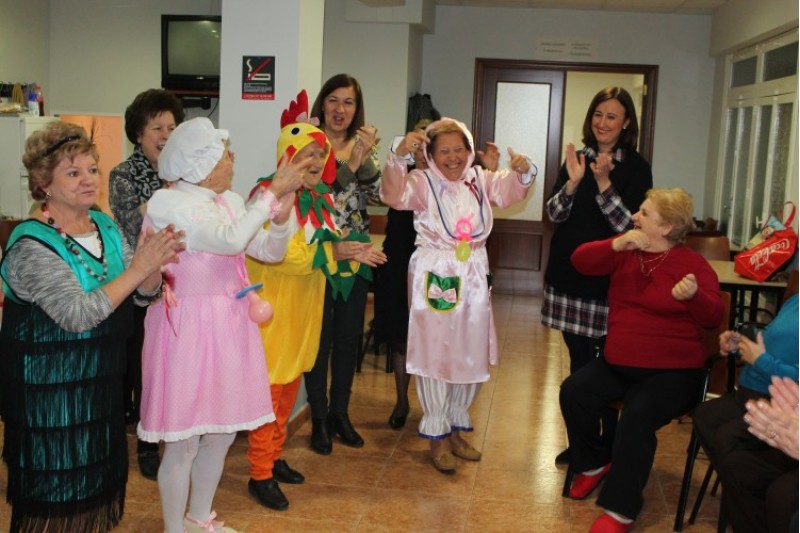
[606, 523]
[194, 526]
[583, 485]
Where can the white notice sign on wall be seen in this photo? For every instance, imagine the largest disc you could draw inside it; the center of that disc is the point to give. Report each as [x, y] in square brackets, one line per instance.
[560, 49]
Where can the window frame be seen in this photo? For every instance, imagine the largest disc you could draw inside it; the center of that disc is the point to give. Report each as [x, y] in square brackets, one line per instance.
[756, 96]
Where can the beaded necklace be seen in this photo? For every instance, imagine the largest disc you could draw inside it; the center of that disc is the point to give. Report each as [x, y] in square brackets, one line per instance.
[69, 240]
[647, 266]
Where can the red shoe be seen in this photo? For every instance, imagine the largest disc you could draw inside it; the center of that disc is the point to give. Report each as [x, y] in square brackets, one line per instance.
[606, 523]
[583, 485]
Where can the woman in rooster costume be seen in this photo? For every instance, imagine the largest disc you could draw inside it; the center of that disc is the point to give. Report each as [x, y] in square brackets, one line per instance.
[296, 288]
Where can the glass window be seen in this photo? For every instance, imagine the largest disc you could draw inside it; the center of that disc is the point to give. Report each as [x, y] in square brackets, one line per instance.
[780, 62]
[758, 151]
[760, 176]
[741, 161]
[744, 72]
[780, 161]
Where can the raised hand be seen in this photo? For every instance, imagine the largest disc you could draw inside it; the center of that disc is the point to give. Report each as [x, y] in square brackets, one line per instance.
[601, 168]
[576, 168]
[289, 176]
[414, 141]
[366, 138]
[519, 163]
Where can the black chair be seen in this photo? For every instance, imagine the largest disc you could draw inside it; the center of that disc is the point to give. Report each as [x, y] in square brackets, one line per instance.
[715, 369]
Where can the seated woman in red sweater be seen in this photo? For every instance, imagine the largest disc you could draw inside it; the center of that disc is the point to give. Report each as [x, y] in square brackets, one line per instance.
[662, 295]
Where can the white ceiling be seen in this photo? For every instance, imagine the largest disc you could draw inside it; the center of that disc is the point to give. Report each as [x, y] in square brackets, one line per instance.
[685, 7]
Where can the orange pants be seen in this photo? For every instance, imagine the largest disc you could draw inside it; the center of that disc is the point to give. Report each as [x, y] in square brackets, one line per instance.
[266, 442]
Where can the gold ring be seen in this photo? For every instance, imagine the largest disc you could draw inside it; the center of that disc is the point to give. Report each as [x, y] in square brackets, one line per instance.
[771, 435]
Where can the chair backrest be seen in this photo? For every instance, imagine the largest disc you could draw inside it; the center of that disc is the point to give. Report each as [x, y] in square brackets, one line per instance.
[712, 246]
[791, 285]
[718, 381]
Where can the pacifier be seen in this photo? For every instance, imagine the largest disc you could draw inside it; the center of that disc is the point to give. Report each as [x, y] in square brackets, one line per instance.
[463, 233]
[260, 310]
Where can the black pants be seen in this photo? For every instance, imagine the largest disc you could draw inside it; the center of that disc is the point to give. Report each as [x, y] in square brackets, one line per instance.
[653, 397]
[342, 327]
[759, 490]
[721, 428]
[582, 351]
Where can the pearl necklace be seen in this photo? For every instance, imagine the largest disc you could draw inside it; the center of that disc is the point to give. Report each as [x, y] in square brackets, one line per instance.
[69, 240]
[647, 266]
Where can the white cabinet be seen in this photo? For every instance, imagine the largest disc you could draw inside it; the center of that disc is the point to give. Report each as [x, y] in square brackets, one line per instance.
[15, 199]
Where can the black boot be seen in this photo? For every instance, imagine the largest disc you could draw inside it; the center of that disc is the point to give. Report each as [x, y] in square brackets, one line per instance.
[268, 494]
[283, 473]
[320, 439]
[339, 424]
[147, 457]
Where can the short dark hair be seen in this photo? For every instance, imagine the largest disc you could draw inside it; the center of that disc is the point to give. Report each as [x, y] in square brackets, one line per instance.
[147, 105]
[629, 138]
[337, 82]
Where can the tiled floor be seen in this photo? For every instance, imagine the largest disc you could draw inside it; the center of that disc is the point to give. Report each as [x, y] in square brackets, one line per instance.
[390, 484]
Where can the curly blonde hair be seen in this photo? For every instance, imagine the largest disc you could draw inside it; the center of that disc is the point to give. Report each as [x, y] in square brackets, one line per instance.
[46, 148]
[675, 207]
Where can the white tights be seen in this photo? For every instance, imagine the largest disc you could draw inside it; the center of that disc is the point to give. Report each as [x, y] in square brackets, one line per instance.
[197, 461]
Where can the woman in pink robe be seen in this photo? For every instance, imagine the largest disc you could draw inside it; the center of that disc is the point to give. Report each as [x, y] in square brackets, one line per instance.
[451, 340]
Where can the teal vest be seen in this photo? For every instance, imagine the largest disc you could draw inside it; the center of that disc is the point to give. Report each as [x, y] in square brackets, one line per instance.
[49, 236]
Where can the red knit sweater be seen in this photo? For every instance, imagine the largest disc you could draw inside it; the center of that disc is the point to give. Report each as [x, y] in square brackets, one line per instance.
[647, 327]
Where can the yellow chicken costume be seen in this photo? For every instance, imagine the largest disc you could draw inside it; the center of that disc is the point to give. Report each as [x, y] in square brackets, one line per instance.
[296, 289]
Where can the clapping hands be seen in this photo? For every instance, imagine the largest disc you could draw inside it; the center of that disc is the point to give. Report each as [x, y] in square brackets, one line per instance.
[157, 248]
[365, 139]
[775, 421]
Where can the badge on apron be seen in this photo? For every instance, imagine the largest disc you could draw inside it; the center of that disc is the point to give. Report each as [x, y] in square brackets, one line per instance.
[442, 292]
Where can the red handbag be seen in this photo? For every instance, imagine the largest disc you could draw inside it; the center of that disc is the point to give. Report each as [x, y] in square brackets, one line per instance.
[766, 258]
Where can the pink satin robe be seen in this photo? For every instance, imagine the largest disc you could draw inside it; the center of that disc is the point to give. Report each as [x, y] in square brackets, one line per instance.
[459, 344]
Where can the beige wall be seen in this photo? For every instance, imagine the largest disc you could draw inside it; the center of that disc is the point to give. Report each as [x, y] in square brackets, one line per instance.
[25, 43]
[739, 23]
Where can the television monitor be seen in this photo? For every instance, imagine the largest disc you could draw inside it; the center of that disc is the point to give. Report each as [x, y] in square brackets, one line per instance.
[190, 52]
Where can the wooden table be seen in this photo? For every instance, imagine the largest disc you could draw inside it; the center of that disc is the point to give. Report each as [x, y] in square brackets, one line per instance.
[740, 286]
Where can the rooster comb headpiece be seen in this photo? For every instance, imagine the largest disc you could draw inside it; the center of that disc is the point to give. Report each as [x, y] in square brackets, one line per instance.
[298, 131]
